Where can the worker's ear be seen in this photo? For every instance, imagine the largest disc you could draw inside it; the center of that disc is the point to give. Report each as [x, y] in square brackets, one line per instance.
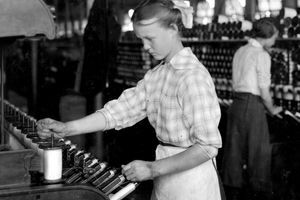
[173, 28]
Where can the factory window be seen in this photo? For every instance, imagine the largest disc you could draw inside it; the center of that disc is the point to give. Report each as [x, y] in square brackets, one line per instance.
[268, 8]
[205, 12]
[234, 9]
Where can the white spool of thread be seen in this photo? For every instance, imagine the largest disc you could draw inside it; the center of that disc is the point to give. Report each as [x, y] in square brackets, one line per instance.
[42, 145]
[53, 163]
[123, 192]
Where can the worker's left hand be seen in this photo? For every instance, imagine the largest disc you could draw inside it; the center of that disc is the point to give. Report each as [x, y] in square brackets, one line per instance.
[138, 170]
[46, 127]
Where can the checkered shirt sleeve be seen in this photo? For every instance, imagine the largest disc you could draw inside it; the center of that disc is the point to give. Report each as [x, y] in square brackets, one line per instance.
[200, 108]
[127, 110]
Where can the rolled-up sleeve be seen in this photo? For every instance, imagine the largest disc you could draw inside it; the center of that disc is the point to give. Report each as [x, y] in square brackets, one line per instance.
[201, 109]
[127, 110]
[264, 70]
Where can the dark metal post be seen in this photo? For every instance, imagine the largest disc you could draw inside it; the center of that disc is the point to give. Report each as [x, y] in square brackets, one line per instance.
[250, 10]
[34, 63]
[3, 137]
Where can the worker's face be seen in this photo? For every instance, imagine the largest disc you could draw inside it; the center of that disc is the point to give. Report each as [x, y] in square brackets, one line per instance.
[271, 41]
[157, 40]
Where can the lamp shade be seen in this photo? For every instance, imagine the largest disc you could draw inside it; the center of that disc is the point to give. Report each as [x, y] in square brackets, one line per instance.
[26, 18]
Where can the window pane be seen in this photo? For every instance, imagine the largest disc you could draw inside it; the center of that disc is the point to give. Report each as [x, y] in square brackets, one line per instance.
[234, 7]
[263, 5]
[275, 5]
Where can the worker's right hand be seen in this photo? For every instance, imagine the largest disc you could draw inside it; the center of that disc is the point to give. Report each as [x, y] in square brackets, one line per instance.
[276, 111]
[46, 127]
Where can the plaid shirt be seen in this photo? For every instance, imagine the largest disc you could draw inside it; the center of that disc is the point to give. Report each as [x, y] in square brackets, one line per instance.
[179, 100]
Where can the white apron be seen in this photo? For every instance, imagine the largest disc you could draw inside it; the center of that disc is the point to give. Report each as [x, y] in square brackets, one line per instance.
[199, 183]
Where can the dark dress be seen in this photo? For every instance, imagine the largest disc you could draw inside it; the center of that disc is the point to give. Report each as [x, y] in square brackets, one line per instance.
[247, 152]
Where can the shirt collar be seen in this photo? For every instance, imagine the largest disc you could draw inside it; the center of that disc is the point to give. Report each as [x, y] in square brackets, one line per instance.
[183, 59]
[254, 43]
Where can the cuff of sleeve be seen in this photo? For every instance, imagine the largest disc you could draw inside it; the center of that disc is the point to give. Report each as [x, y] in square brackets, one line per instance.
[211, 151]
[108, 119]
[264, 85]
[210, 136]
[264, 82]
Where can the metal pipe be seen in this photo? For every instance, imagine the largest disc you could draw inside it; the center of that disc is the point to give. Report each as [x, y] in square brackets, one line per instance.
[2, 96]
[34, 63]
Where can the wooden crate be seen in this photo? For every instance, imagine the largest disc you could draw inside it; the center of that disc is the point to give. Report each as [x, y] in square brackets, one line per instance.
[15, 166]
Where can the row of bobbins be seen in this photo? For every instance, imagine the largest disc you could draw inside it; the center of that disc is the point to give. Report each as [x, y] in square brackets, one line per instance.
[62, 161]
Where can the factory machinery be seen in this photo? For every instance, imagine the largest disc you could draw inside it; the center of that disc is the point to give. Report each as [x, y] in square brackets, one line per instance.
[24, 172]
[22, 166]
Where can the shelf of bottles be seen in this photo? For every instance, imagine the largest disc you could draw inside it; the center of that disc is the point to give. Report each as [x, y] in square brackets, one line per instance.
[286, 65]
[132, 63]
[285, 71]
[227, 31]
[215, 44]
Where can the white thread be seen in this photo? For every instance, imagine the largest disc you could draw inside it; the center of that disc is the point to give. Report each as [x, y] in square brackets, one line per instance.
[52, 164]
[123, 192]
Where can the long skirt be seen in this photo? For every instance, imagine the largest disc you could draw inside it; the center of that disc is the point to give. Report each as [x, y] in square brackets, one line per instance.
[247, 151]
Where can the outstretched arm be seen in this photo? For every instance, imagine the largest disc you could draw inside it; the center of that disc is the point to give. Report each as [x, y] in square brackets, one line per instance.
[90, 123]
